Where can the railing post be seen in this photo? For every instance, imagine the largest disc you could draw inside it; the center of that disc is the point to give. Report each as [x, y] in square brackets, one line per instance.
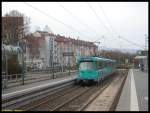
[69, 66]
[16, 77]
[10, 77]
[22, 69]
[53, 70]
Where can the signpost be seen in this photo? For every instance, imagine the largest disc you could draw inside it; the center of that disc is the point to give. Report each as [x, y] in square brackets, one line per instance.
[68, 54]
[22, 44]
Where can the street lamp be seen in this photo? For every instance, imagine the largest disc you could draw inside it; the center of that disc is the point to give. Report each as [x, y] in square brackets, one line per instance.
[53, 63]
[95, 50]
[23, 47]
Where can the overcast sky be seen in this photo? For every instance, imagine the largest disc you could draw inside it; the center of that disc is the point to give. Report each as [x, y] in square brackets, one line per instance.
[112, 19]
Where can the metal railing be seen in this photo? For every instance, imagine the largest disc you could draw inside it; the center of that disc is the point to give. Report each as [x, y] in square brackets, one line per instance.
[17, 79]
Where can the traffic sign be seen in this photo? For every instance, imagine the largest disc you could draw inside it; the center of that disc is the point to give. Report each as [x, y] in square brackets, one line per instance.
[68, 54]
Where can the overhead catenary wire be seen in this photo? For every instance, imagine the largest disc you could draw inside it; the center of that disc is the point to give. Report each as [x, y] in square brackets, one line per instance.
[73, 29]
[130, 42]
[100, 21]
[106, 17]
[75, 17]
[115, 30]
[98, 18]
[48, 15]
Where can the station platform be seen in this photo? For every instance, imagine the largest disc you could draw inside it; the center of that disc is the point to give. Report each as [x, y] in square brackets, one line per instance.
[134, 96]
[27, 87]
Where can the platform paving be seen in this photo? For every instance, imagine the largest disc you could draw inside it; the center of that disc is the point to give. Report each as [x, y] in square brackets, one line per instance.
[134, 96]
[36, 84]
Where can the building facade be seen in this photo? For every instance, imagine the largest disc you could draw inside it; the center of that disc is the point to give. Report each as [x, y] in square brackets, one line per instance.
[78, 47]
[52, 47]
[141, 58]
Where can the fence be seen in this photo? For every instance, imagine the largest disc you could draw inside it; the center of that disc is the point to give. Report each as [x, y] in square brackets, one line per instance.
[30, 77]
[49, 69]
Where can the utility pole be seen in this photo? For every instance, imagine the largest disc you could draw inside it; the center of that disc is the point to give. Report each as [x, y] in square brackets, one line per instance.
[120, 51]
[23, 66]
[52, 57]
[51, 50]
[69, 48]
[6, 62]
[146, 40]
[95, 48]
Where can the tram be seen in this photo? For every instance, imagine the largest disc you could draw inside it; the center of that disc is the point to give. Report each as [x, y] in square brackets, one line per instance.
[94, 69]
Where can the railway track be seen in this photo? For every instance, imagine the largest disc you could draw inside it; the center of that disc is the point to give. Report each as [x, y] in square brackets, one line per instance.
[81, 102]
[76, 98]
[33, 105]
[17, 100]
[72, 98]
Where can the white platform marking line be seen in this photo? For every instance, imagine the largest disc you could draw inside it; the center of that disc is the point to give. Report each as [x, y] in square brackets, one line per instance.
[133, 96]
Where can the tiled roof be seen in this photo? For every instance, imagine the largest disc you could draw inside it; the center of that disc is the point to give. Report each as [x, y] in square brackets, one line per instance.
[74, 41]
[59, 38]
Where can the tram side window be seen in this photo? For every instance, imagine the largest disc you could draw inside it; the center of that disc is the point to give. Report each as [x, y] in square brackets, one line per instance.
[113, 65]
[99, 65]
[105, 64]
[110, 64]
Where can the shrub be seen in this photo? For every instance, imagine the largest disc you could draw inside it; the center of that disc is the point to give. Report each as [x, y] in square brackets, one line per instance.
[13, 65]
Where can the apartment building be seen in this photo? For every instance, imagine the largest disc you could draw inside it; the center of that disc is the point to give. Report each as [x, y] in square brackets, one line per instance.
[49, 49]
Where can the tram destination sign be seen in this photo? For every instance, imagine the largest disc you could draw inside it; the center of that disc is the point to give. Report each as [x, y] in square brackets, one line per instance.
[68, 54]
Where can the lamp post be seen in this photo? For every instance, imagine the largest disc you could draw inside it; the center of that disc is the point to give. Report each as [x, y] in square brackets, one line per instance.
[6, 62]
[68, 53]
[22, 68]
[53, 64]
[95, 48]
[22, 45]
[69, 56]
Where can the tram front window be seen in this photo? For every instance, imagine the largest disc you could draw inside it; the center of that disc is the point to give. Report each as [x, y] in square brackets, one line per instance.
[86, 66]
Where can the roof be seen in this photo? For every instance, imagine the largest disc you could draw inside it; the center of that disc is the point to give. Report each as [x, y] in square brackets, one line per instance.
[140, 57]
[64, 39]
[74, 41]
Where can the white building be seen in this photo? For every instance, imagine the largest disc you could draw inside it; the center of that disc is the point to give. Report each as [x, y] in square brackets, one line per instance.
[47, 49]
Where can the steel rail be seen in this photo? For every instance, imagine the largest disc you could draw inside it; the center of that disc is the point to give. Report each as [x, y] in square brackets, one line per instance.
[96, 91]
[94, 96]
[47, 99]
[104, 85]
[19, 100]
[69, 100]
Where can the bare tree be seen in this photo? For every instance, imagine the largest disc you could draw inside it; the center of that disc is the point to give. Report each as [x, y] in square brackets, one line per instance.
[14, 26]
[117, 55]
[33, 44]
[47, 28]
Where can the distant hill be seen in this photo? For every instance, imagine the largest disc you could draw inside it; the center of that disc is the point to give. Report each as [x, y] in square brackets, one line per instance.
[122, 50]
